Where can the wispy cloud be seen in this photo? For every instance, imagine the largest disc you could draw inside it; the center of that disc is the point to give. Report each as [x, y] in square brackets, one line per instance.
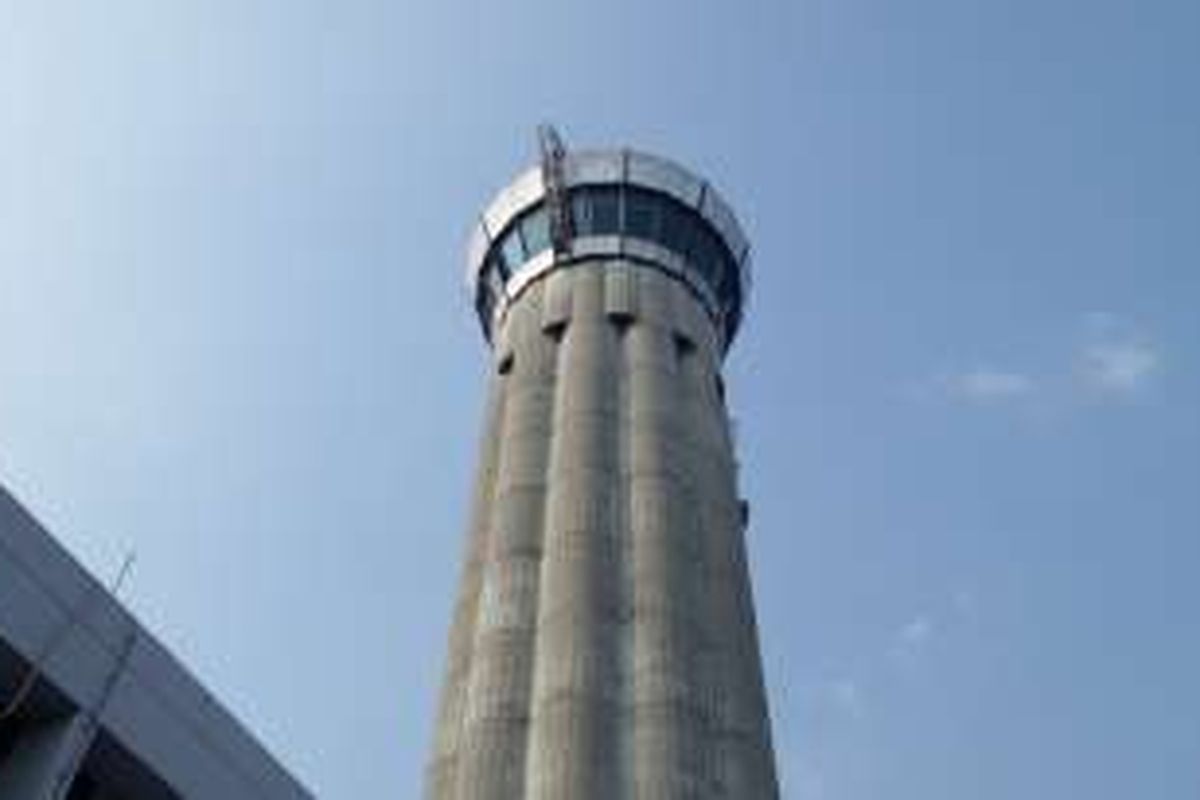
[849, 699]
[988, 384]
[916, 632]
[911, 639]
[1112, 359]
[846, 694]
[1119, 367]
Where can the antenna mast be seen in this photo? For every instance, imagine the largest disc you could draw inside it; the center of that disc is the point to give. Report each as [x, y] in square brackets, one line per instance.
[557, 210]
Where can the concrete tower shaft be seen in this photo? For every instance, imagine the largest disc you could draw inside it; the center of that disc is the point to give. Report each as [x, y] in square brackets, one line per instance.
[604, 645]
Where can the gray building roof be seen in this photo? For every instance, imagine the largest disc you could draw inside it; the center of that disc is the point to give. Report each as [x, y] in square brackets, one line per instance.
[112, 714]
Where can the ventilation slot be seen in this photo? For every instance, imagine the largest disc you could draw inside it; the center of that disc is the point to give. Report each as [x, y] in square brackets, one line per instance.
[619, 301]
[504, 364]
[684, 345]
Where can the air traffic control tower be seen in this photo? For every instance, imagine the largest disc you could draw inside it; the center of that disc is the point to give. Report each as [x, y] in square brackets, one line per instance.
[604, 645]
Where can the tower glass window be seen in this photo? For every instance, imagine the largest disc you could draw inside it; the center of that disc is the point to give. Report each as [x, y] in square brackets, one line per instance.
[596, 210]
[647, 215]
[641, 213]
[535, 230]
[513, 249]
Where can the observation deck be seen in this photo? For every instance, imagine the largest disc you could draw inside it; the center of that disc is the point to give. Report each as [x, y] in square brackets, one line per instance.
[621, 204]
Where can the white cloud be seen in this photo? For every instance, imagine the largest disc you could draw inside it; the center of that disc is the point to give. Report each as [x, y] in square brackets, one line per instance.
[916, 632]
[988, 384]
[911, 639]
[1119, 367]
[1113, 358]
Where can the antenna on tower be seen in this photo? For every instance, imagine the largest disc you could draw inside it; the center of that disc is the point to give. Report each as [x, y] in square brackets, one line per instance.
[554, 152]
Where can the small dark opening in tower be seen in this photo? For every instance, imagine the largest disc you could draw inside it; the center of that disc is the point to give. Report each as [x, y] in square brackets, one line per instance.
[720, 383]
[505, 364]
[684, 346]
[620, 320]
[555, 330]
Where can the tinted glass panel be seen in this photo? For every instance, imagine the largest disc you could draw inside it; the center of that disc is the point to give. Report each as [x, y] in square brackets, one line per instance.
[641, 214]
[673, 228]
[581, 213]
[728, 275]
[713, 263]
[512, 250]
[605, 210]
[706, 252]
[535, 228]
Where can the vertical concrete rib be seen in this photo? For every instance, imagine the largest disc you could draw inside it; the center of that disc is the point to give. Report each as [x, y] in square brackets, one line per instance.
[753, 755]
[666, 723]
[496, 715]
[736, 720]
[622, 319]
[575, 720]
[441, 774]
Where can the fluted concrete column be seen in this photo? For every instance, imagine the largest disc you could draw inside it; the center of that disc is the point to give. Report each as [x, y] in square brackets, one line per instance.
[575, 713]
[670, 751]
[737, 724]
[43, 764]
[442, 772]
[497, 710]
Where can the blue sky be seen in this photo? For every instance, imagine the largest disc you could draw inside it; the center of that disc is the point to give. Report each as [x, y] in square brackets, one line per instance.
[234, 337]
